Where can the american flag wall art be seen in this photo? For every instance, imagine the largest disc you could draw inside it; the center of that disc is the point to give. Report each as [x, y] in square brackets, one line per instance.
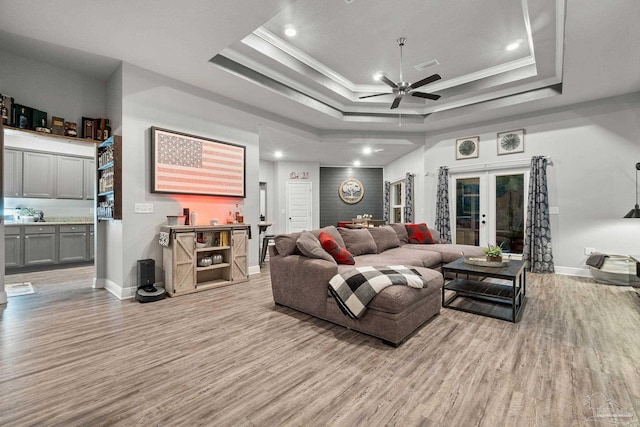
[189, 164]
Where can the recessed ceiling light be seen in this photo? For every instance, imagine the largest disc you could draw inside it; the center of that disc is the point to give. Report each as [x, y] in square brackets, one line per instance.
[377, 75]
[278, 154]
[367, 150]
[356, 163]
[513, 46]
[290, 31]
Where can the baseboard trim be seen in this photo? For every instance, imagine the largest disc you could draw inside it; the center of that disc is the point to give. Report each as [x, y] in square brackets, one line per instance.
[254, 269]
[570, 271]
[118, 291]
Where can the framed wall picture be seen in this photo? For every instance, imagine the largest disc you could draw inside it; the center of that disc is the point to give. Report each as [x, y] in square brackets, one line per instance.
[511, 142]
[467, 148]
[351, 191]
[189, 164]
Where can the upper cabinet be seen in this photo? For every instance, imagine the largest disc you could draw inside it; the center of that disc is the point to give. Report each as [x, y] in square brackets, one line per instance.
[38, 174]
[89, 178]
[12, 170]
[69, 178]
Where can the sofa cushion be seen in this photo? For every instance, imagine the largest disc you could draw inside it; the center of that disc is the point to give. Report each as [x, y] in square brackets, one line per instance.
[401, 232]
[396, 299]
[340, 254]
[436, 236]
[449, 252]
[385, 238]
[310, 246]
[286, 244]
[401, 256]
[333, 232]
[358, 241]
[419, 233]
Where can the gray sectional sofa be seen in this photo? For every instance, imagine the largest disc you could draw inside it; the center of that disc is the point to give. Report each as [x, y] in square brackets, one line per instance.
[301, 281]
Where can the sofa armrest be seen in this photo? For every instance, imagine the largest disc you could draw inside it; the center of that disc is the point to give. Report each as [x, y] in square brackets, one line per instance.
[300, 282]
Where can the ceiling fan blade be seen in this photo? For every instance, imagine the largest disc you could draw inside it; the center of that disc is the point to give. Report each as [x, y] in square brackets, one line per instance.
[425, 81]
[377, 94]
[396, 102]
[388, 81]
[432, 96]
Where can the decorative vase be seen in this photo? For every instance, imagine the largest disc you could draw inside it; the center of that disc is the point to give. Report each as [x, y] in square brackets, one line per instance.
[205, 261]
[494, 258]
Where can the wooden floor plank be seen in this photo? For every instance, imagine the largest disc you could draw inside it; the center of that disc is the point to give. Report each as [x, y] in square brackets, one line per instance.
[74, 355]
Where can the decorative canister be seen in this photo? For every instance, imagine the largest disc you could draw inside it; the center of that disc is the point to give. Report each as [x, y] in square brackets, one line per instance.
[205, 261]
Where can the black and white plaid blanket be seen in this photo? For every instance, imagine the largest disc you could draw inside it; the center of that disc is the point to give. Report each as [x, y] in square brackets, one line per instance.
[354, 289]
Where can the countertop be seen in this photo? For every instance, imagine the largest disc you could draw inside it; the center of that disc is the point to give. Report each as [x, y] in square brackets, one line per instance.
[41, 224]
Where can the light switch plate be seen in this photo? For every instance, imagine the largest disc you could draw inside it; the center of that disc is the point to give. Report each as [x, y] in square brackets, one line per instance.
[554, 210]
[144, 208]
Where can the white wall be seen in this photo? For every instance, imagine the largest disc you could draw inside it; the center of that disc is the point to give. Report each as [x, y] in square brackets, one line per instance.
[58, 91]
[412, 162]
[152, 100]
[593, 148]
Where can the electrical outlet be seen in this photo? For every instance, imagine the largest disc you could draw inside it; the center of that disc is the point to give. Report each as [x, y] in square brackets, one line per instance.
[589, 251]
[144, 208]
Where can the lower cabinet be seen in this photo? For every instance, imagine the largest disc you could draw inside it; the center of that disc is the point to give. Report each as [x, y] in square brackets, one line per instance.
[72, 242]
[38, 245]
[12, 247]
[201, 258]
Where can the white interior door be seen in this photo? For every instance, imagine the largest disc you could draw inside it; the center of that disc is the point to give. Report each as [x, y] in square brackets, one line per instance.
[489, 207]
[299, 198]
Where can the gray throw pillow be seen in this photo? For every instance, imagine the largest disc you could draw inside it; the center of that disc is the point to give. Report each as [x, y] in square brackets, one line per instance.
[358, 241]
[310, 246]
[385, 237]
[286, 244]
[401, 231]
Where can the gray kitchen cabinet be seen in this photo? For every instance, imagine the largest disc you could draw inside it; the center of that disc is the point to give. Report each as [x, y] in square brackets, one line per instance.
[89, 178]
[12, 247]
[91, 241]
[72, 242]
[39, 245]
[70, 176]
[12, 171]
[38, 174]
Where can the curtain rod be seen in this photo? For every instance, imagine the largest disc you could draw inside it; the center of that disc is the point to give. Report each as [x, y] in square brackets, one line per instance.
[499, 164]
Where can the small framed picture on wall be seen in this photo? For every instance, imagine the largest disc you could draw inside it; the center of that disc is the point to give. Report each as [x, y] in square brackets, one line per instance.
[511, 142]
[467, 148]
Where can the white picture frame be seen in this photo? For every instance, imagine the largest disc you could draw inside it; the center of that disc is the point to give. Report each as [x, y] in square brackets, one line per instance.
[468, 147]
[510, 142]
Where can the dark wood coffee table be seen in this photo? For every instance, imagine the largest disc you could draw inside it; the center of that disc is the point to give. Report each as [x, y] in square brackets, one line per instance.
[473, 293]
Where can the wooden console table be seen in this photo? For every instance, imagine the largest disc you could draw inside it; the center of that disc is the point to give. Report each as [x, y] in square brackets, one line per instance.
[185, 272]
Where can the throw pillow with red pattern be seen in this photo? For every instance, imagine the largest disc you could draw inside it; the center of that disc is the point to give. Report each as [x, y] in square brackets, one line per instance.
[340, 254]
[419, 233]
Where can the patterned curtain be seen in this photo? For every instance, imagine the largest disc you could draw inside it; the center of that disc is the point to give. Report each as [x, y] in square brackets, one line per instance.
[442, 204]
[537, 241]
[408, 198]
[387, 202]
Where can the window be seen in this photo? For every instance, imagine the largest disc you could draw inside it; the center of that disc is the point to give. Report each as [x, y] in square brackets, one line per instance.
[397, 202]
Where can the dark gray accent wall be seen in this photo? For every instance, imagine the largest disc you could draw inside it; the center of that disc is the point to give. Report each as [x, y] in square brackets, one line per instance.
[333, 209]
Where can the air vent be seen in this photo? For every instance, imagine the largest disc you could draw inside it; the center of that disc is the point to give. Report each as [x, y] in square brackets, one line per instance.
[427, 64]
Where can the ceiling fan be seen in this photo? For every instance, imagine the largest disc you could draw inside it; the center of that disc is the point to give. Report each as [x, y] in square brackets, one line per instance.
[403, 88]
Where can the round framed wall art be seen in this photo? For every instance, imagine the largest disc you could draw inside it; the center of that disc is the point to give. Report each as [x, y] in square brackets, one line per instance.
[351, 191]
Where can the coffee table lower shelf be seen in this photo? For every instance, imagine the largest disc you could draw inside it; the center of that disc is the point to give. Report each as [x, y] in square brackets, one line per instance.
[485, 298]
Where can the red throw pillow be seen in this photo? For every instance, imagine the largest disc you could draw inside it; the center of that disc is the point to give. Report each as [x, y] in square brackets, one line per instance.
[419, 233]
[340, 254]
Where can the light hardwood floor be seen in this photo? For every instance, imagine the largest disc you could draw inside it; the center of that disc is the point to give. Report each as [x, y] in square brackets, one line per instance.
[76, 356]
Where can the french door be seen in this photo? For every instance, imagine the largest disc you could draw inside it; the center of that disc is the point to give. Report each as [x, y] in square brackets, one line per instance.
[489, 207]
